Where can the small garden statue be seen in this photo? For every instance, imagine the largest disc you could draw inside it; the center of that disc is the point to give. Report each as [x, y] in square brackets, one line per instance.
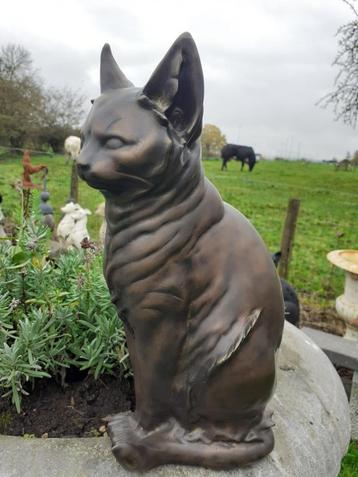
[72, 229]
[30, 169]
[45, 207]
[192, 281]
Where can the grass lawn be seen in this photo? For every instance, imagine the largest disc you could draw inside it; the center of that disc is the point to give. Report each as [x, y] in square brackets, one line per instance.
[349, 467]
[328, 217]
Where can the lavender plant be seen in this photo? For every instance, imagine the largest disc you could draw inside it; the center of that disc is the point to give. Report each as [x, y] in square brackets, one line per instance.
[53, 314]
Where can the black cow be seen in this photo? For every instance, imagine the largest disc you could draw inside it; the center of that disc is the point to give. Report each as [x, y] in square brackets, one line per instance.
[245, 154]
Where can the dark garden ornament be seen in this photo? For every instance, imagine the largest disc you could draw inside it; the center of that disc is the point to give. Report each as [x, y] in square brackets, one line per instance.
[45, 207]
[192, 281]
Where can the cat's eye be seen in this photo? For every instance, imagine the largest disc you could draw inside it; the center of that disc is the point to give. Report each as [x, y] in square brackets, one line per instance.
[113, 143]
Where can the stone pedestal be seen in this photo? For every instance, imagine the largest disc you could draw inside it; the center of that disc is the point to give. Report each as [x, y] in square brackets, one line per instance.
[347, 304]
[354, 406]
[312, 430]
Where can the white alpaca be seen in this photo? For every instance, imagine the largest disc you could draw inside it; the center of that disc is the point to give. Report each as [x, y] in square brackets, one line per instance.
[73, 227]
[72, 147]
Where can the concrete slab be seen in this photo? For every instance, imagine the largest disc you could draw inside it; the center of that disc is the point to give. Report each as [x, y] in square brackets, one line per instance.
[353, 405]
[341, 351]
[312, 430]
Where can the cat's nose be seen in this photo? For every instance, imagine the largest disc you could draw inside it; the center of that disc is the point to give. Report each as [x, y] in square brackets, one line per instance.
[83, 166]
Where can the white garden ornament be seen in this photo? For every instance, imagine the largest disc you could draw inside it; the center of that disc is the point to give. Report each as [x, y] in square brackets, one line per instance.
[73, 227]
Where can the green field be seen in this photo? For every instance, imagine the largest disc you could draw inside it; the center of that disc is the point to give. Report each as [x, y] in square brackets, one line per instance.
[328, 217]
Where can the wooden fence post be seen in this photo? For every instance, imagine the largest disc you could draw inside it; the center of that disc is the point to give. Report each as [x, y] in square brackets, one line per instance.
[288, 234]
[74, 183]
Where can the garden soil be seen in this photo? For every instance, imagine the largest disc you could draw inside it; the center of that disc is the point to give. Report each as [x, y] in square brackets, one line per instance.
[82, 408]
[323, 319]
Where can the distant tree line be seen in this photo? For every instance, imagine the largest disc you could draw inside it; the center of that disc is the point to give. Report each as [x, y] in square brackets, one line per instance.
[31, 113]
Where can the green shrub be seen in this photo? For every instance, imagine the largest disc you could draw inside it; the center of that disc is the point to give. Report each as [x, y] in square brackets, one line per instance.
[54, 314]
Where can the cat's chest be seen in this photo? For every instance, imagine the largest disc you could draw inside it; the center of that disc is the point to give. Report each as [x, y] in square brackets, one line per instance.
[148, 268]
[148, 290]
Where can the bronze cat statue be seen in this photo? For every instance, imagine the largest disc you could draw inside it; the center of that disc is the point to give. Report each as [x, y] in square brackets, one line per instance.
[193, 282]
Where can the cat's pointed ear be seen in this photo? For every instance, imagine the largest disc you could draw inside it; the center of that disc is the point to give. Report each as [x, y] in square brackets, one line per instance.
[177, 87]
[110, 74]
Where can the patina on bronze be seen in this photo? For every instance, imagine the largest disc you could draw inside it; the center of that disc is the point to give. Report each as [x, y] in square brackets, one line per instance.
[193, 283]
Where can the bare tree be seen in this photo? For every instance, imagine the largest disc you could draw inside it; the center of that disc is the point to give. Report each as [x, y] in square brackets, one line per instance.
[344, 96]
[61, 114]
[30, 112]
[15, 62]
[20, 95]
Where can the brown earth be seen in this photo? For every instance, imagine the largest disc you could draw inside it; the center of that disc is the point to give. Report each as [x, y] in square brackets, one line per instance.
[80, 409]
[324, 319]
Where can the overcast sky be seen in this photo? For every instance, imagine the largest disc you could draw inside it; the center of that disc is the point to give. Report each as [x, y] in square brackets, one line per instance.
[266, 62]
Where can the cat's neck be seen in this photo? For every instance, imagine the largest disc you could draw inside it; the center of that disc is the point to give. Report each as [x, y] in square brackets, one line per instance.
[167, 223]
